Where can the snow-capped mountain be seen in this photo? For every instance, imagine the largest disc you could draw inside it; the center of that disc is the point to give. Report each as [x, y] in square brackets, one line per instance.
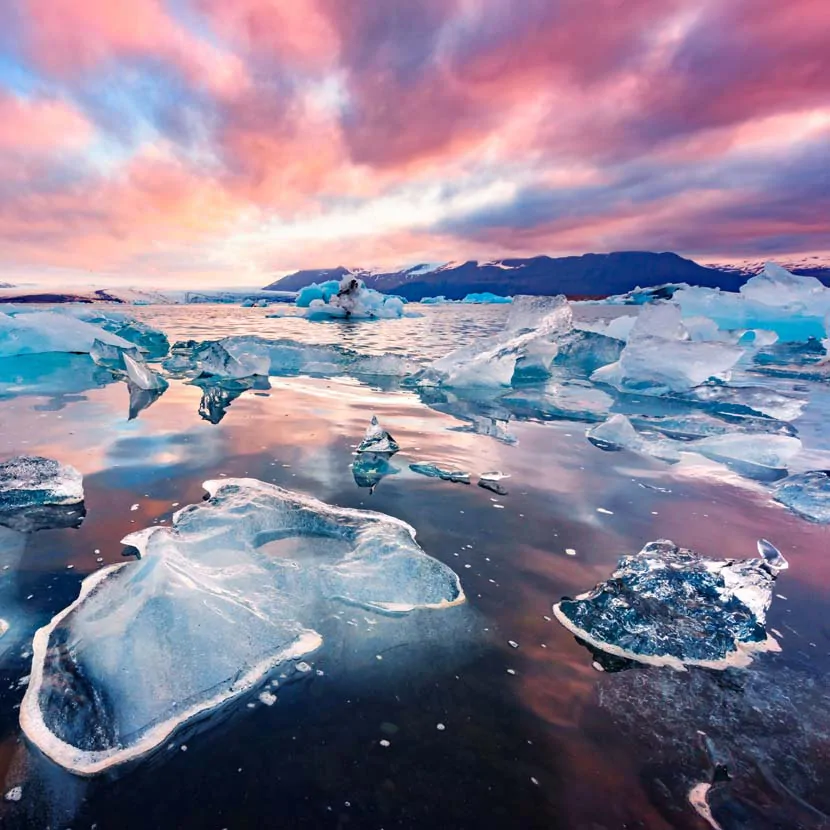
[589, 275]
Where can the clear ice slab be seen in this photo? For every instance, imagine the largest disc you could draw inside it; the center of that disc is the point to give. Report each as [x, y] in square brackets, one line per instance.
[807, 494]
[38, 493]
[669, 606]
[236, 586]
[377, 440]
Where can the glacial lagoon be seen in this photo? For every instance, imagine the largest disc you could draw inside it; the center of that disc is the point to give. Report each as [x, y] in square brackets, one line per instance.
[418, 677]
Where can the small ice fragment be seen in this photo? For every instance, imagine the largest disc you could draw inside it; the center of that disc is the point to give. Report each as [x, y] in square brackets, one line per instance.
[384, 742]
[606, 512]
[512, 644]
[377, 439]
[303, 667]
[440, 727]
[267, 698]
[570, 551]
[534, 781]
[183, 747]
[772, 556]
[434, 471]
[14, 794]
[134, 507]
[491, 481]
[511, 671]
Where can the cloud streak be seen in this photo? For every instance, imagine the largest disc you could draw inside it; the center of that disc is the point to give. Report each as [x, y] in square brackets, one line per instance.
[203, 141]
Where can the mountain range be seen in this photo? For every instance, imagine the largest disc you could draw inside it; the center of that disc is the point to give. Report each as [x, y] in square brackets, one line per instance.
[586, 276]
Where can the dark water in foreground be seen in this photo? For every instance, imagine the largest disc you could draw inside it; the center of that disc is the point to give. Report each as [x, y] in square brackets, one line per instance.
[480, 734]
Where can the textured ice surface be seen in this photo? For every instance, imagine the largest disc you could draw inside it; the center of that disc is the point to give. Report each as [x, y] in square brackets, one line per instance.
[485, 298]
[807, 494]
[670, 606]
[236, 586]
[142, 376]
[377, 440]
[427, 468]
[769, 452]
[661, 357]
[777, 287]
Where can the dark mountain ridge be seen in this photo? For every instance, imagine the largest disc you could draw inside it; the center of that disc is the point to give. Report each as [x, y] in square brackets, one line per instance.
[589, 275]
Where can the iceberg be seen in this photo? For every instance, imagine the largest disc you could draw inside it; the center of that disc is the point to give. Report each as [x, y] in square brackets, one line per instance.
[669, 606]
[348, 299]
[142, 376]
[38, 492]
[807, 494]
[434, 471]
[234, 588]
[439, 300]
[660, 357]
[486, 298]
[377, 440]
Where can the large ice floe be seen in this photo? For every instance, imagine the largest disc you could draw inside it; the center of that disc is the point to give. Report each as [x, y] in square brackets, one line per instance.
[348, 299]
[669, 606]
[72, 329]
[234, 588]
[37, 493]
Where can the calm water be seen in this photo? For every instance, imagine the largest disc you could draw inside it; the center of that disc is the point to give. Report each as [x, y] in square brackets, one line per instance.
[534, 736]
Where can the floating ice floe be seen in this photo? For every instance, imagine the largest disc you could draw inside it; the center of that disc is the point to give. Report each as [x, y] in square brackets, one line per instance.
[112, 357]
[37, 492]
[377, 440]
[231, 590]
[434, 471]
[530, 336]
[807, 494]
[475, 298]
[492, 481]
[670, 606]
[764, 451]
[348, 299]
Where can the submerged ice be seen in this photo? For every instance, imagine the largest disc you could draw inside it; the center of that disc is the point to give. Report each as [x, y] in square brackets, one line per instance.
[807, 494]
[231, 590]
[671, 606]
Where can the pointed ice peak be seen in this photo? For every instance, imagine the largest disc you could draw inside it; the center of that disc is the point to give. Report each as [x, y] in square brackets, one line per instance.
[377, 439]
[142, 376]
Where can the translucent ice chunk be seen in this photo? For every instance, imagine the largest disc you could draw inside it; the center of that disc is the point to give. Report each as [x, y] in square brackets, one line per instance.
[492, 481]
[111, 357]
[533, 329]
[377, 439]
[661, 357]
[673, 607]
[236, 361]
[142, 376]
[775, 286]
[753, 453]
[45, 331]
[235, 587]
[807, 494]
[434, 471]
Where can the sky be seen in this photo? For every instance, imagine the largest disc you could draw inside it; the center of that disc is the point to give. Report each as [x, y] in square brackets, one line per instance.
[217, 142]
